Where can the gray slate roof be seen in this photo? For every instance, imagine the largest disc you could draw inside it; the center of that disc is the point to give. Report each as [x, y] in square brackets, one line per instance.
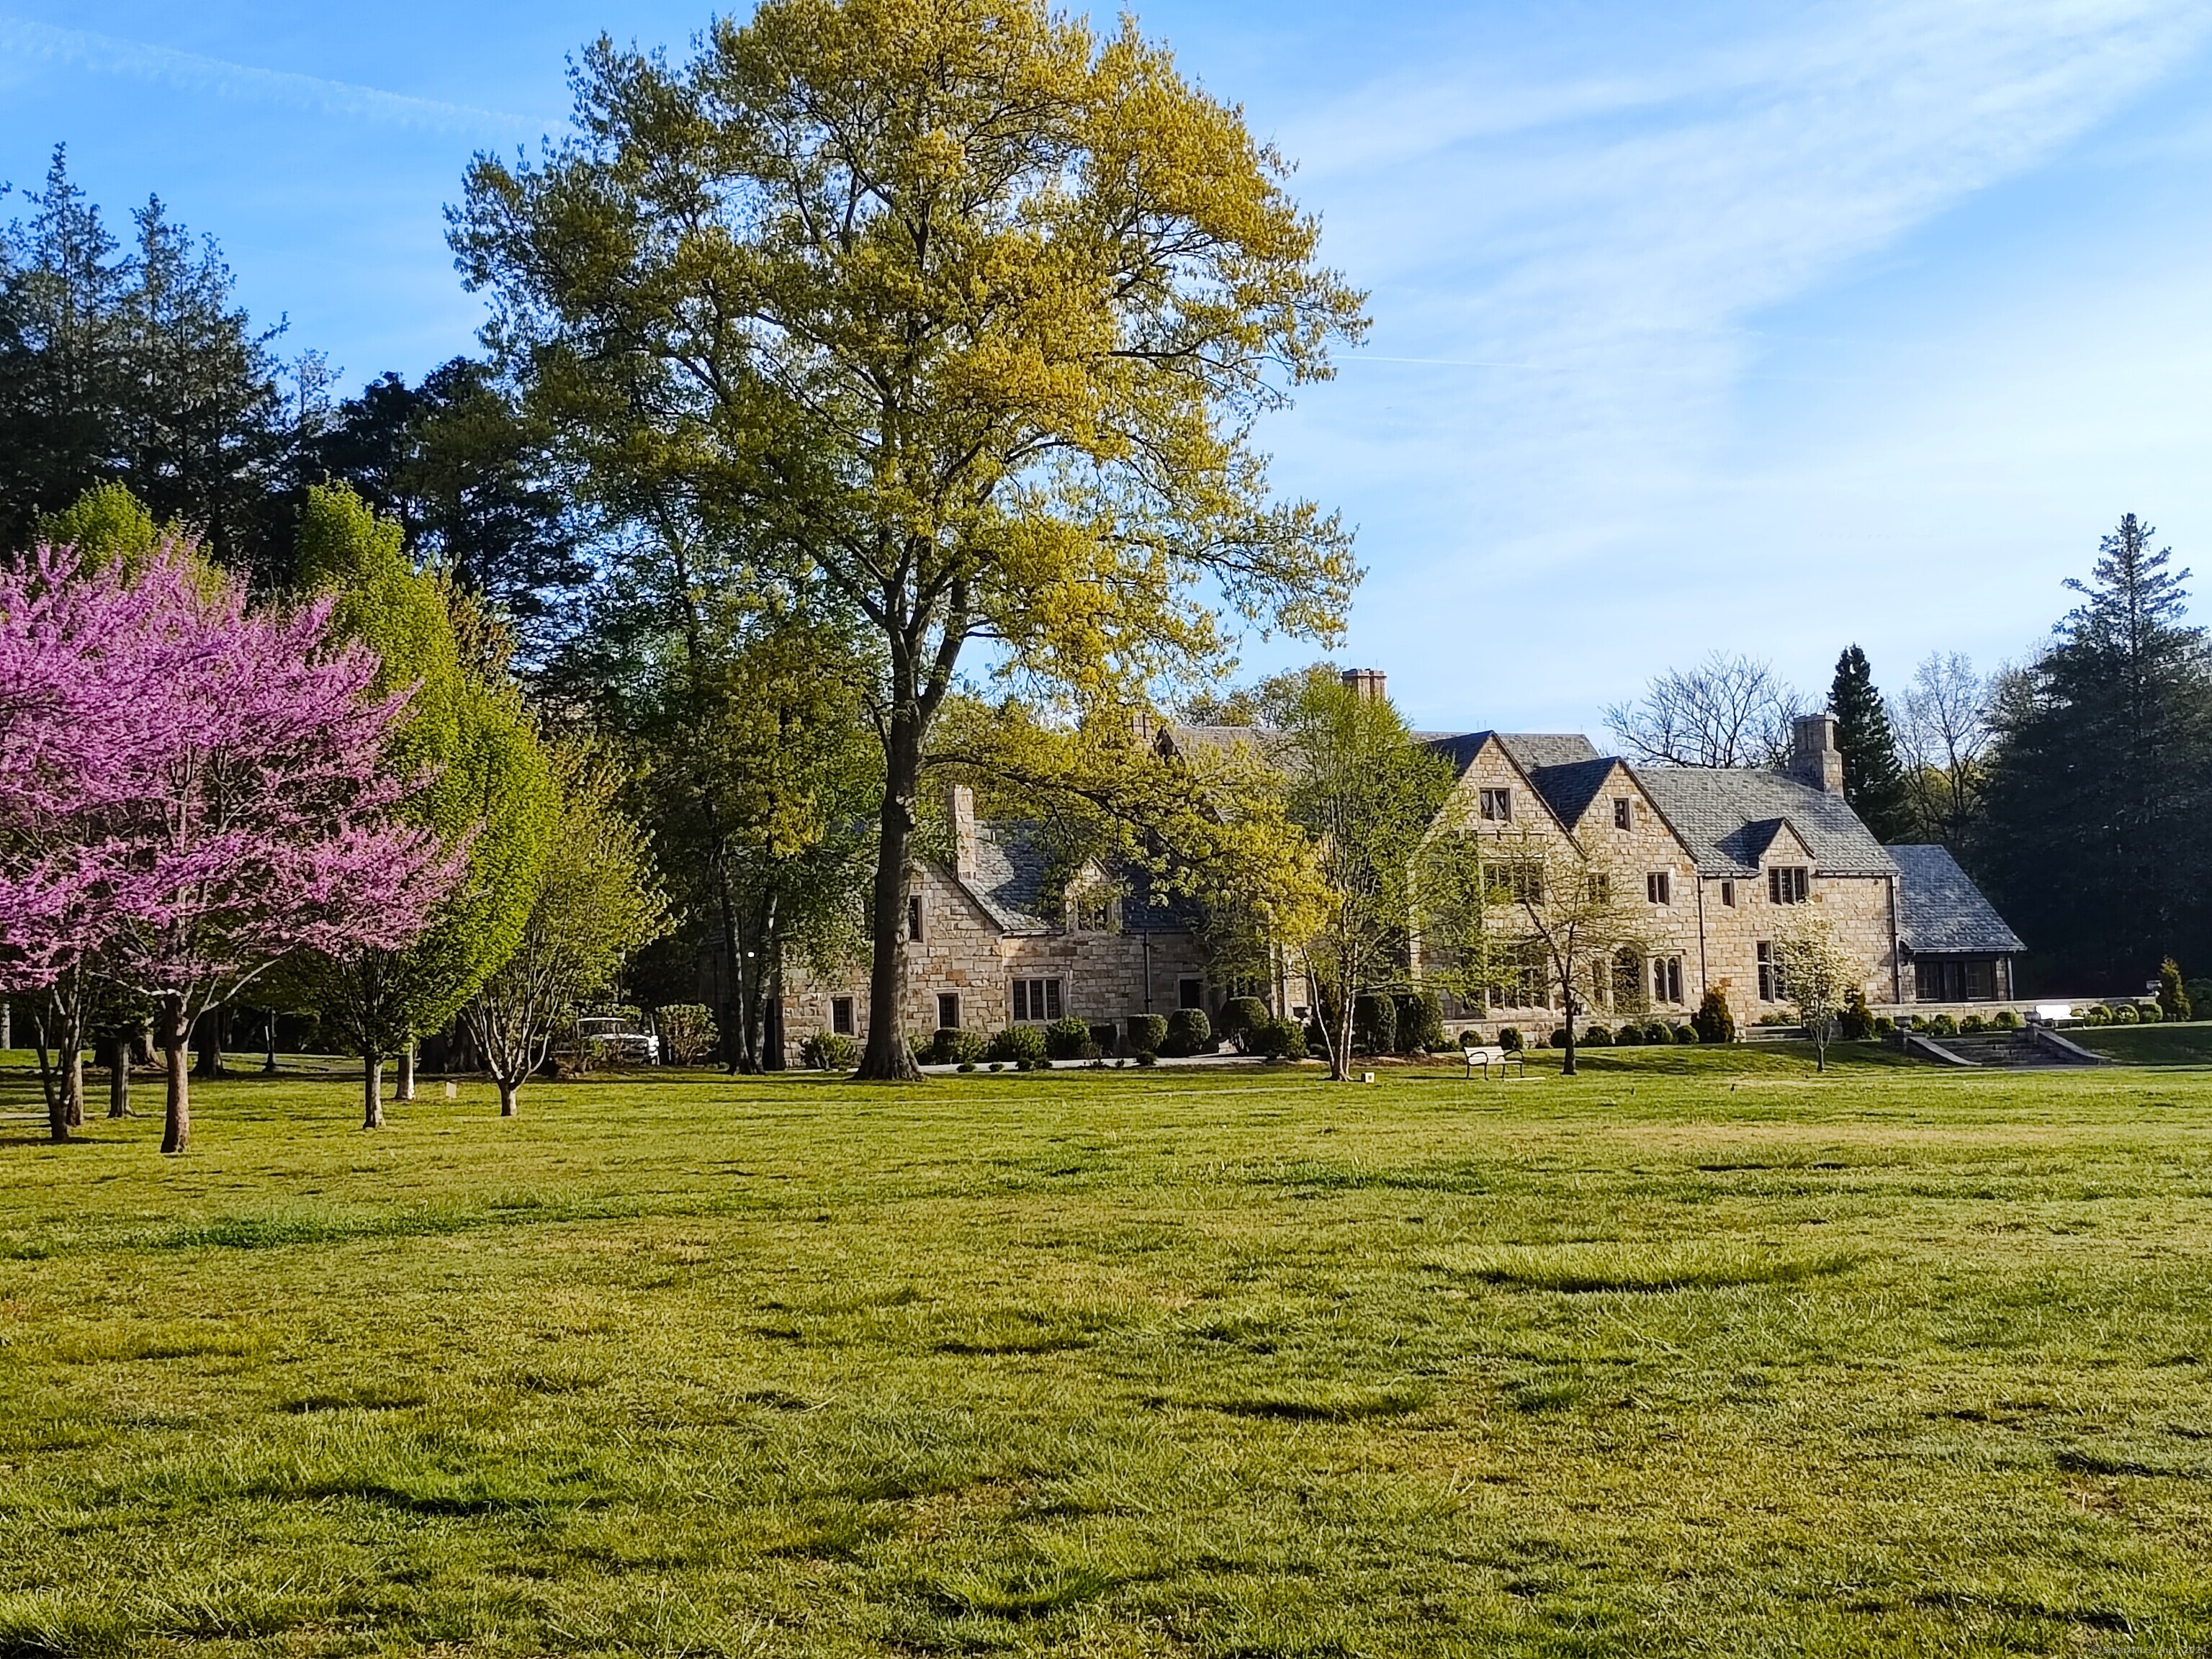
[1530, 751]
[1726, 815]
[1013, 864]
[1569, 790]
[1940, 909]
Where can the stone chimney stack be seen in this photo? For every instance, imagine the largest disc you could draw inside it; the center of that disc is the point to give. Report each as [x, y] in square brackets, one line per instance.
[960, 808]
[1366, 683]
[1815, 758]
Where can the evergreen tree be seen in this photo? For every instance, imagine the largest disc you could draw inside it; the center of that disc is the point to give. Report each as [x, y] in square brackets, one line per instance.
[133, 366]
[2093, 845]
[1874, 782]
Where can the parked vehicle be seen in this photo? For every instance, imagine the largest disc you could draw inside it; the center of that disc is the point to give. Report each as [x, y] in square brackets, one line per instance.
[612, 1040]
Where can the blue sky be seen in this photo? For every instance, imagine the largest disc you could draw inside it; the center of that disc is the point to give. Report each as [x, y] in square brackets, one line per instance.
[1757, 327]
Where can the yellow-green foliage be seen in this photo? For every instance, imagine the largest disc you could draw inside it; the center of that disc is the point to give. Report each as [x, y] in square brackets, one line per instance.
[107, 522]
[488, 781]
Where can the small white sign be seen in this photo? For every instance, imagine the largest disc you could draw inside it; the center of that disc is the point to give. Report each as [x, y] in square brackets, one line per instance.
[453, 1091]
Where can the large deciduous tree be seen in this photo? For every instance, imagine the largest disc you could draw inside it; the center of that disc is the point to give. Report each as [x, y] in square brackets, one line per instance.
[191, 792]
[1726, 711]
[1946, 732]
[963, 317]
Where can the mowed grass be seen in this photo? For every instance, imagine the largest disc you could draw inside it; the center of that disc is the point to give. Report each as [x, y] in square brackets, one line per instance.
[1698, 1353]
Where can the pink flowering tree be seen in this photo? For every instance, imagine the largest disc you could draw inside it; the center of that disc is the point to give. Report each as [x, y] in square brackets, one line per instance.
[191, 792]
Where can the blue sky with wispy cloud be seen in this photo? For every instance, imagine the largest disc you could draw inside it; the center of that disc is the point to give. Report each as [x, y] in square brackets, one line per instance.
[1761, 327]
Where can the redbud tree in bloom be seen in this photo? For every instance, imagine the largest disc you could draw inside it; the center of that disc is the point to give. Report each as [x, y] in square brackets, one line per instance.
[191, 792]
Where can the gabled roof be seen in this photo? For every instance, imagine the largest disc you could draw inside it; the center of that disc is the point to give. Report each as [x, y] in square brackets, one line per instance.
[1568, 790]
[1940, 910]
[1013, 885]
[1529, 750]
[1724, 816]
[1758, 839]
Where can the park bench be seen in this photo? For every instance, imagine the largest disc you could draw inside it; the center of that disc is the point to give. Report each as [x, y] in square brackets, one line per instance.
[1482, 1058]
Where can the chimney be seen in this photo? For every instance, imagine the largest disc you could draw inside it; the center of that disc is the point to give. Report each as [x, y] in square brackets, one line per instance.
[1367, 683]
[960, 810]
[1815, 758]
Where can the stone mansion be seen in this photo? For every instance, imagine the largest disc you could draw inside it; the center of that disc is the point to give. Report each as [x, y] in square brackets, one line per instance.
[1722, 856]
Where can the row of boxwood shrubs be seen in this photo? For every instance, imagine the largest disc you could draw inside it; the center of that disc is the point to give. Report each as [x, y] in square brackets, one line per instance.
[1245, 1023]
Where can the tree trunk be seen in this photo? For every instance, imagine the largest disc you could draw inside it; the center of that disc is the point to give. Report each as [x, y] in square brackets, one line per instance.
[403, 1085]
[57, 1118]
[72, 1059]
[211, 1059]
[887, 1058]
[268, 1037]
[176, 1053]
[507, 1092]
[372, 1094]
[118, 1077]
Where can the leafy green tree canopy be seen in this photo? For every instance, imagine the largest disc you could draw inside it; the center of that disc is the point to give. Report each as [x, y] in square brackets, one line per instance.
[963, 317]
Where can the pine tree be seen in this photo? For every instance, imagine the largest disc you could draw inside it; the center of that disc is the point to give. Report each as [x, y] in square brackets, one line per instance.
[2093, 846]
[1874, 782]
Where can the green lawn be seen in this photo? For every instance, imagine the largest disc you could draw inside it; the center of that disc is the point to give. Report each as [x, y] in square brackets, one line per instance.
[1698, 1353]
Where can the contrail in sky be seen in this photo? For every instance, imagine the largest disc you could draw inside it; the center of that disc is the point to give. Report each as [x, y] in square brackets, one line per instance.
[104, 54]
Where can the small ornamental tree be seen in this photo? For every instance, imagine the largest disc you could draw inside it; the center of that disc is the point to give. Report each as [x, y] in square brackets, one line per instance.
[190, 792]
[1819, 976]
[594, 906]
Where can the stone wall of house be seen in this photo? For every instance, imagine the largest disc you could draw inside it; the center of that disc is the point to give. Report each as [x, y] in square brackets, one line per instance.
[1858, 907]
[963, 952]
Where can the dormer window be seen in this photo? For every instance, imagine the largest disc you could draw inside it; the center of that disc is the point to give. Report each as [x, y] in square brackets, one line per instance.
[1497, 807]
[1094, 912]
[1788, 884]
[1623, 812]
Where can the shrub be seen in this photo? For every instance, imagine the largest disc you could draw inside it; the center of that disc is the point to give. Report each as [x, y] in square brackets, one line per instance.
[949, 1046]
[1855, 1023]
[2173, 1001]
[1470, 1038]
[2197, 993]
[1189, 1032]
[1683, 1034]
[1240, 1018]
[1509, 1038]
[1942, 1026]
[1630, 1034]
[1973, 1024]
[2096, 1014]
[2149, 1012]
[1147, 1032]
[2124, 1013]
[1884, 1026]
[1597, 1038]
[1278, 1039]
[2004, 1020]
[1420, 1017]
[967, 1065]
[1018, 1045]
[1374, 1025]
[1559, 1037]
[828, 1051]
[1714, 1021]
[687, 1033]
[1104, 1039]
[1066, 1039]
[1146, 1057]
[1657, 1030]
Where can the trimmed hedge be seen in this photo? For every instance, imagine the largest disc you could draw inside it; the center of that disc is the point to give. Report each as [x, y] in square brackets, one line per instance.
[1374, 1025]
[828, 1051]
[1713, 1019]
[1022, 1045]
[1240, 1018]
[1189, 1032]
[1420, 1017]
[1276, 1039]
[1068, 1038]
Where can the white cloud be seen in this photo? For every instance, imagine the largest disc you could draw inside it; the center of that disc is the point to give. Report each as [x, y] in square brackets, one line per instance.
[21, 38]
[1567, 263]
